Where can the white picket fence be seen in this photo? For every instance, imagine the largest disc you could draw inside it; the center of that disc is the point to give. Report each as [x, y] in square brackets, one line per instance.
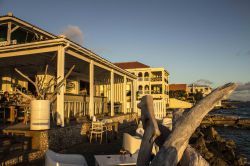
[160, 109]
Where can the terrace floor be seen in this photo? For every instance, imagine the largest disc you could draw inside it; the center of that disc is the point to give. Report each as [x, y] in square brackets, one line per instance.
[88, 150]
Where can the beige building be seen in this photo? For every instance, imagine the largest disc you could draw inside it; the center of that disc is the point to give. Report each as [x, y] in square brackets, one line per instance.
[150, 81]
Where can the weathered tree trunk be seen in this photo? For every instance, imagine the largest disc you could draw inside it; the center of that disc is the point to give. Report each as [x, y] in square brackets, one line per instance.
[190, 156]
[151, 130]
[173, 148]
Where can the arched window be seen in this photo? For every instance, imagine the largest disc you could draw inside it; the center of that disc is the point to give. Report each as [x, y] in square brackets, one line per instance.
[146, 74]
[140, 87]
[140, 74]
[146, 87]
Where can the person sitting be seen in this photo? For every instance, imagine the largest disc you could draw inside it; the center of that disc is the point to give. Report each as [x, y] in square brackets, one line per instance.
[3, 102]
[5, 98]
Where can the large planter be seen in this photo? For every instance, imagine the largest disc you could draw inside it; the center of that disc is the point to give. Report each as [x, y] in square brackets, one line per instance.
[40, 115]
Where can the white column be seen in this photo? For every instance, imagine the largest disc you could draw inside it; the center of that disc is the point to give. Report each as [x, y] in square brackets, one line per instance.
[124, 88]
[163, 84]
[112, 92]
[60, 96]
[91, 88]
[134, 102]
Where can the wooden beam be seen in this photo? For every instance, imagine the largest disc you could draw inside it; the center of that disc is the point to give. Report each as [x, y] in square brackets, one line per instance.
[77, 55]
[9, 33]
[28, 52]
[15, 28]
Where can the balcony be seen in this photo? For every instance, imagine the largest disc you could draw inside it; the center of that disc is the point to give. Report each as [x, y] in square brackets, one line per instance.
[146, 92]
[146, 79]
[140, 79]
[140, 92]
[154, 79]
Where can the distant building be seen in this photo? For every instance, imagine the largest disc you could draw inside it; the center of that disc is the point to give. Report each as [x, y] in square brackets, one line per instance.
[150, 81]
[178, 87]
[204, 89]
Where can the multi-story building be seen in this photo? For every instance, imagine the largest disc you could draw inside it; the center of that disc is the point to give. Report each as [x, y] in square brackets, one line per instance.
[150, 81]
[204, 89]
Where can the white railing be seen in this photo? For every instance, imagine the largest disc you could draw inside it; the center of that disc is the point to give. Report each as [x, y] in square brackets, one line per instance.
[160, 109]
[75, 108]
[78, 106]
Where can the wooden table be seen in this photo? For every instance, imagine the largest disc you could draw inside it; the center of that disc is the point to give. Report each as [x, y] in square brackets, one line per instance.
[108, 160]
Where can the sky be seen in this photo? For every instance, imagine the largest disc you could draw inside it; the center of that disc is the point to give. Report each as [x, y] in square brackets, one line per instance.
[193, 40]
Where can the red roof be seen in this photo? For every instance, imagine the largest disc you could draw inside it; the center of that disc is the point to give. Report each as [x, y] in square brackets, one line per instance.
[131, 65]
[175, 87]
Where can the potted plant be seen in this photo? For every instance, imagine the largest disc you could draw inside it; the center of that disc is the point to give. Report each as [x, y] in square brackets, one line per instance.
[40, 103]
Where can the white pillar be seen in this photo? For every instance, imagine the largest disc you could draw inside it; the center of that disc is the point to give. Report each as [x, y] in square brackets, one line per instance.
[91, 88]
[134, 101]
[112, 92]
[124, 88]
[60, 96]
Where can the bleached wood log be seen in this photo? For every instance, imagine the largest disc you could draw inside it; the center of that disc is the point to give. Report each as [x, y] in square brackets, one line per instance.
[151, 130]
[61, 83]
[173, 148]
[190, 156]
[24, 95]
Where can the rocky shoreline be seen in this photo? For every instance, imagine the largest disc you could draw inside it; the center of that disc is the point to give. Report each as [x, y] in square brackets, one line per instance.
[226, 120]
[215, 149]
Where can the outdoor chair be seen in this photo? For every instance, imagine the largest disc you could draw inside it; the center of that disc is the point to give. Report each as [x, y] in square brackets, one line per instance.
[130, 143]
[97, 129]
[56, 159]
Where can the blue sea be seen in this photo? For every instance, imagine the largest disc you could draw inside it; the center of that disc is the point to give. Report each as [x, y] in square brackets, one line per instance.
[240, 135]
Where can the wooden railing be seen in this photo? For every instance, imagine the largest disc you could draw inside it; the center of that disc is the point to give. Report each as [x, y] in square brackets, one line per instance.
[78, 106]
[159, 108]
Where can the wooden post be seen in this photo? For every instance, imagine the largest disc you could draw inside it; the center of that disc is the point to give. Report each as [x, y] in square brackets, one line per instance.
[60, 96]
[112, 92]
[91, 88]
[134, 99]
[9, 34]
[124, 88]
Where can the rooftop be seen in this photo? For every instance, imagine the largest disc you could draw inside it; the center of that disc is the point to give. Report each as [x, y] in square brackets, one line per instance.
[175, 87]
[131, 65]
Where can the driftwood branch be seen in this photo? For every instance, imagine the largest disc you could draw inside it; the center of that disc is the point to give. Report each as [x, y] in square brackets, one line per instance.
[190, 156]
[24, 95]
[27, 78]
[151, 130]
[173, 148]
[44, 77]
[60, 84]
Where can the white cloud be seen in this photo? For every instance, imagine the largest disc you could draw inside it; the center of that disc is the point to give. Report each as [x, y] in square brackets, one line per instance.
[242, 93]
[203, 82]
[73, 33]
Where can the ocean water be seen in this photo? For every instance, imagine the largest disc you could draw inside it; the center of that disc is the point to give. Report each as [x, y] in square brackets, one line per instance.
[240, 135]
[241, 109]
